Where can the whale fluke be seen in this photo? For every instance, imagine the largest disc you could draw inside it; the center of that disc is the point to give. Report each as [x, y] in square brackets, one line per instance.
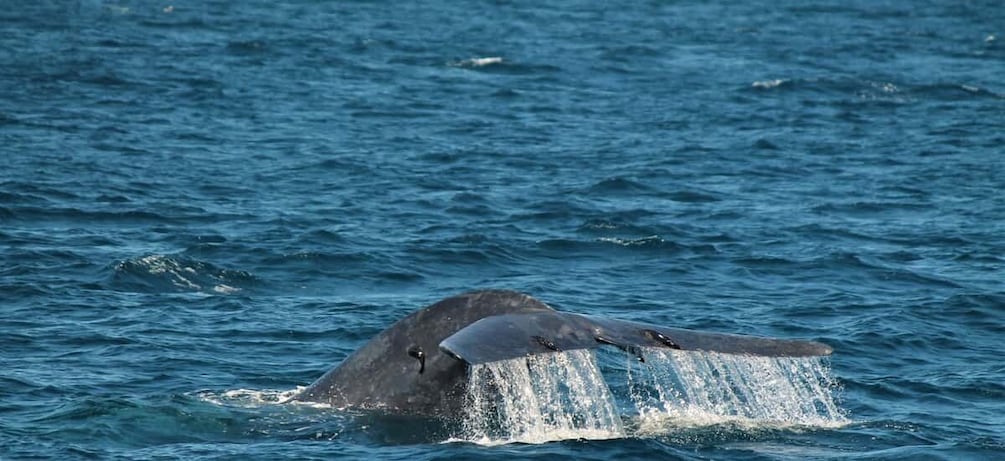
[503, 337]
[419, 364]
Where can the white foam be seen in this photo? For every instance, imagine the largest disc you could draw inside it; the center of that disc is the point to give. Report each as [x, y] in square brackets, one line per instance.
[480, 62]
[249, 398]
[768, 83]
[642, 241]
[225, 289]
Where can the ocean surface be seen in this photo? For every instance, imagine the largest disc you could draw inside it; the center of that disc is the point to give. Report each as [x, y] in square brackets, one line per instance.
[206, 205]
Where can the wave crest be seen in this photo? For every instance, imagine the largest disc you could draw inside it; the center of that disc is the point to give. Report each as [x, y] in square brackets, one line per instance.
[176, 274]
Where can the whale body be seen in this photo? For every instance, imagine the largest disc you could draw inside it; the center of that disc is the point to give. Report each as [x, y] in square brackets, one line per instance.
[419, 365]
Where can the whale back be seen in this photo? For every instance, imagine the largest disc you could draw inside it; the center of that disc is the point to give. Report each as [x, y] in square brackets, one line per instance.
[385, 372]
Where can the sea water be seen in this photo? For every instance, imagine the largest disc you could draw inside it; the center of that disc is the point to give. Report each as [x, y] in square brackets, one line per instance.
[204, 204]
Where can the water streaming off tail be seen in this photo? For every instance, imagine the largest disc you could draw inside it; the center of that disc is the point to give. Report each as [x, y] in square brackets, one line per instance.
[563, 395]
[699, 388]
[540, 398]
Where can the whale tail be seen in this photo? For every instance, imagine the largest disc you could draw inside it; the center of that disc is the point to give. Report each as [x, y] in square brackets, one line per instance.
[508, 336]
[420, 363]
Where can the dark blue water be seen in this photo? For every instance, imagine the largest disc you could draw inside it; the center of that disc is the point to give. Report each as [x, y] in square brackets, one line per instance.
[206, 204]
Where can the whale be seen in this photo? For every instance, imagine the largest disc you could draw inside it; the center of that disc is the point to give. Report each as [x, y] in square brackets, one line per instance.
[419, 365]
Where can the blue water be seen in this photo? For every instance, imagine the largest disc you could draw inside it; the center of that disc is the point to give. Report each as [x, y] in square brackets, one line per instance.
[204, 205]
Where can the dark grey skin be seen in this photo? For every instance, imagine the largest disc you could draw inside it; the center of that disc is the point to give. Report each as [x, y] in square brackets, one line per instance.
[383, 375]
[420, 364]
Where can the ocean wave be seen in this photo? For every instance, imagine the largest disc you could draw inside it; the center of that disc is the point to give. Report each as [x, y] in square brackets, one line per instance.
[620, 224]
[875, 90]
[158, 273]
[619, 185]
[653, 244]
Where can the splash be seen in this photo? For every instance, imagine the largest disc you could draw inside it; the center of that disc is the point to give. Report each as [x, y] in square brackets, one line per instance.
[563, 396]
[704, 388]
[539, 399]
